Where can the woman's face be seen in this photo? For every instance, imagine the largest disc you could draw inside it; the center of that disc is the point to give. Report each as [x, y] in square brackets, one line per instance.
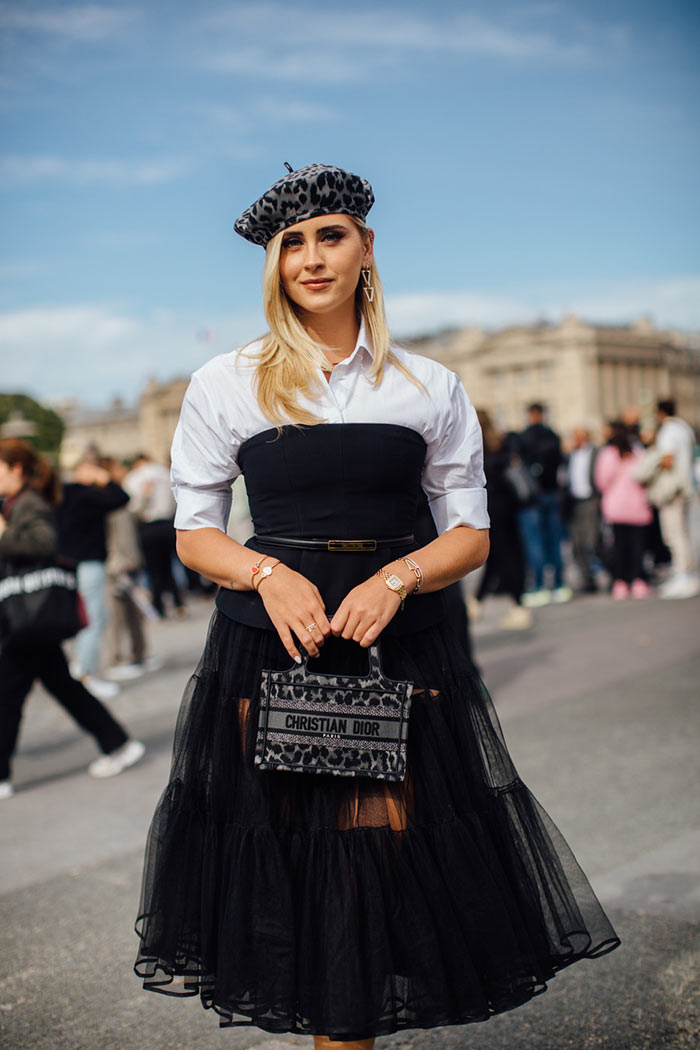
[11, 479]
[321, 260]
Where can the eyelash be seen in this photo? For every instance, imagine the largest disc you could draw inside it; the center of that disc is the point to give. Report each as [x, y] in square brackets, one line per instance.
[334, 236]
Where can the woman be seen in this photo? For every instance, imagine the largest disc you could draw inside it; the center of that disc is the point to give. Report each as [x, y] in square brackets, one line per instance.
[336, 906]
[505, 568]
[28, 534]
[625, 507]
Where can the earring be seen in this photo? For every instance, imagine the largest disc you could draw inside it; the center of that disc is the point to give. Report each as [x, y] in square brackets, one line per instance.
[368, 289]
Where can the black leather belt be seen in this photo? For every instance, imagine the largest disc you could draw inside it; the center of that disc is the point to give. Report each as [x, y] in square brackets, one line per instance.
[334, 545]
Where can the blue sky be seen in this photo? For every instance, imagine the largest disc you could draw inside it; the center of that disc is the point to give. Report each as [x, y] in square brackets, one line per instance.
[528, 159]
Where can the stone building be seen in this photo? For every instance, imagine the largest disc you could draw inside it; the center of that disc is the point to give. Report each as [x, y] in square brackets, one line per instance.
[584, 374]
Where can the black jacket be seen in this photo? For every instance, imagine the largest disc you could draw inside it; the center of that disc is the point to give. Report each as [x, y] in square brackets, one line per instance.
[81, 518]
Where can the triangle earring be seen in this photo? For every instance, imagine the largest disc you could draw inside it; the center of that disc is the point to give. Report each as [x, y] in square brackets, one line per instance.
[368, 289]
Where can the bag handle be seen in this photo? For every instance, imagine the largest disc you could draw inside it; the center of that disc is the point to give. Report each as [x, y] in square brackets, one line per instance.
[375, 663]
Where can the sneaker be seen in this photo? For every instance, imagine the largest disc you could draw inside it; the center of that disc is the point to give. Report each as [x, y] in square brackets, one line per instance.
[620, 590]
[563, 594]
[6, 789]
[100, 688]
[681, 586]
[153, 663]
[125, 672]
[115, 763]
[516, 619]
[534, 599]
[640, 589]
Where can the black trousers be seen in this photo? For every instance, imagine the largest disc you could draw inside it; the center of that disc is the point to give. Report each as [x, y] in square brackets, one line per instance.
[158, 545]
[19, 668]
[628, 552]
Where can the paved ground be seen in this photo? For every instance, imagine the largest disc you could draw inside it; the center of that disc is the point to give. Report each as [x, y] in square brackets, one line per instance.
[600, 706]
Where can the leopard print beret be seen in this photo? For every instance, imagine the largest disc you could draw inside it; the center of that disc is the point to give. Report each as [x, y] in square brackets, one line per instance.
[318, 189]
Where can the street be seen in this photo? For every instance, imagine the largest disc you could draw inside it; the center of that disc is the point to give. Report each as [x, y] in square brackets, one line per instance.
[599, 702]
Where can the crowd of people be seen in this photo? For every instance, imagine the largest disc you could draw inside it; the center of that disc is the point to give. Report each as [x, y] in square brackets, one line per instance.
[113, 522]
[624, 507]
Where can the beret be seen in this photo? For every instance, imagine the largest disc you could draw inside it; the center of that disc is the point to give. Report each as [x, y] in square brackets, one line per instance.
[317, 189]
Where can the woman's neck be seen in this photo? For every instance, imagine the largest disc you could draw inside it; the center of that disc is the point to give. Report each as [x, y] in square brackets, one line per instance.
[336, 333]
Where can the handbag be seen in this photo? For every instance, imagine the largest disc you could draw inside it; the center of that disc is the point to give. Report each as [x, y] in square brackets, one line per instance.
[522, 484]
[346, 725]
[40, 604]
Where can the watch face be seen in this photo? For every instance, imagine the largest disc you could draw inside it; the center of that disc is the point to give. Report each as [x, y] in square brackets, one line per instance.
[394, 582]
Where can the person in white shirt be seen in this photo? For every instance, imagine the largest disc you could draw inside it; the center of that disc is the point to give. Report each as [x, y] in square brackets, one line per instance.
[148, 485]
[343, 906]
[676, 442]
[583, 507]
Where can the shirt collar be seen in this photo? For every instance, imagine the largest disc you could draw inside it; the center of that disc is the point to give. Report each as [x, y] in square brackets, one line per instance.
[363, 353]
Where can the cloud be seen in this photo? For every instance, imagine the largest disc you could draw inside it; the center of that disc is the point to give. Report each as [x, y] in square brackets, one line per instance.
[669, 303]
[290, 42]
[17, 170]
[94, 351]
[79, 22]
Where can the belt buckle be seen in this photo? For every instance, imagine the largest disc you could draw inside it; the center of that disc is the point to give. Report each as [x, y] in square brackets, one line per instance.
[352, 545]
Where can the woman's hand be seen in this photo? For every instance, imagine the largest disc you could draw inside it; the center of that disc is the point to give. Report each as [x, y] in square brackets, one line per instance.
[295, 606]
[365, 611]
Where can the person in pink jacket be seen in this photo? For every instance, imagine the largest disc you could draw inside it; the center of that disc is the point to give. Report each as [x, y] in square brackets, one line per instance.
[625, 507]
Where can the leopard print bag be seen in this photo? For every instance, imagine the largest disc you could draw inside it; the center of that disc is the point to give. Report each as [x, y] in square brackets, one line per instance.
[350, 726]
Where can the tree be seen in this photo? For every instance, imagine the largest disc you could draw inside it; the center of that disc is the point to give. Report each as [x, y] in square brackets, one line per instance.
[46, 426]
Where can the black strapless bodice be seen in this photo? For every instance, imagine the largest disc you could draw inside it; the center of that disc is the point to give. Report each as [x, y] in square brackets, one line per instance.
[336, 481]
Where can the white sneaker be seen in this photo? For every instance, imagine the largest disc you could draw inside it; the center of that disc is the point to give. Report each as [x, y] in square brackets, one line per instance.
[6, 789]
[115, 763]
[562, 594]
[153, 663]
[100, 688]
[681, 586]
[125, 672]
[516, 619]
[534, 599]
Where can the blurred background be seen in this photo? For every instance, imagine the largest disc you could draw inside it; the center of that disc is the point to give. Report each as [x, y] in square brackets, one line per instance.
[532, 162]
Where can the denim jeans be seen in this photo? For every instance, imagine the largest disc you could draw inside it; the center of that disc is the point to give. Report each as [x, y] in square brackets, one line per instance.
[541, 533]
[92, 578]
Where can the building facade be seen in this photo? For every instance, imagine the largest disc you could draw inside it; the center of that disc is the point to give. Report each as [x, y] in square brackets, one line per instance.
[584, 375]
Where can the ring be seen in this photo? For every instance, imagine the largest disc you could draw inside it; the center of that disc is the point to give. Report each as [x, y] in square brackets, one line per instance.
[311, 627]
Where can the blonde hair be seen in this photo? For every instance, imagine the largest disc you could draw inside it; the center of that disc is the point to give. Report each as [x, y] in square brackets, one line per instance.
[289, 360]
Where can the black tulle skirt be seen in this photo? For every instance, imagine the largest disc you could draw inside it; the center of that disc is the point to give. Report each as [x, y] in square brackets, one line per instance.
[351, 908]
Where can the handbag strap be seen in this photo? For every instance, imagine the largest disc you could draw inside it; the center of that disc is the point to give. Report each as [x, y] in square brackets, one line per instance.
[375, 664]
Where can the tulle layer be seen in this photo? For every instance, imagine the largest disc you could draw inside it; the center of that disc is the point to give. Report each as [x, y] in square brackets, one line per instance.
[346, 907]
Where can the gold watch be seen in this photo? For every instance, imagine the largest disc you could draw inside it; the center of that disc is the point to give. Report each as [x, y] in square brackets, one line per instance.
[394, 583]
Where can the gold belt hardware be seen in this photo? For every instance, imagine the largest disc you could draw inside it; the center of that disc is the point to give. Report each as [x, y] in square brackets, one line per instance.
[352, 545]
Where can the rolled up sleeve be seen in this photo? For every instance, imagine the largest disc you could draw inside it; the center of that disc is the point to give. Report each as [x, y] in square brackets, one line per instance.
[453, 476]
[204, 463]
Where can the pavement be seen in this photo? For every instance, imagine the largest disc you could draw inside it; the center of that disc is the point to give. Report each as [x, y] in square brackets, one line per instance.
[599, 703]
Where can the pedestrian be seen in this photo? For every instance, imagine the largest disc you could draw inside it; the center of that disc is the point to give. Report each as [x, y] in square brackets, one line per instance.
[675, 441]
[626, 509]
[28, 535]
[86, 502]
[583, 507]
[127, 600]
[148, 485]
[540, 523]
[504, 571]
[342, 907]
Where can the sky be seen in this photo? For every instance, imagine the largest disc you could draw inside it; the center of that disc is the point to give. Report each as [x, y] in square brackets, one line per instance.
[528, 159]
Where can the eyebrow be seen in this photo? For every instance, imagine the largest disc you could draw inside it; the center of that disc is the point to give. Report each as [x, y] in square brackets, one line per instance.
[320, 230]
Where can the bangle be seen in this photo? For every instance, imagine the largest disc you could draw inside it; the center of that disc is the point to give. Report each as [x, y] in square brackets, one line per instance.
[417, 572]
[255, 569]
[264, 572]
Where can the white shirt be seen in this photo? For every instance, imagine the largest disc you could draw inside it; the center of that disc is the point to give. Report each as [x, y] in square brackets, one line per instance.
[150, 492]
[580, 472]
[220, 412]
[675, 436]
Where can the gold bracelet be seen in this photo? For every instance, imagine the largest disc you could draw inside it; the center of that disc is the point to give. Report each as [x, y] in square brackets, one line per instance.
[265, 572]
[255, 569]
[417, 572]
